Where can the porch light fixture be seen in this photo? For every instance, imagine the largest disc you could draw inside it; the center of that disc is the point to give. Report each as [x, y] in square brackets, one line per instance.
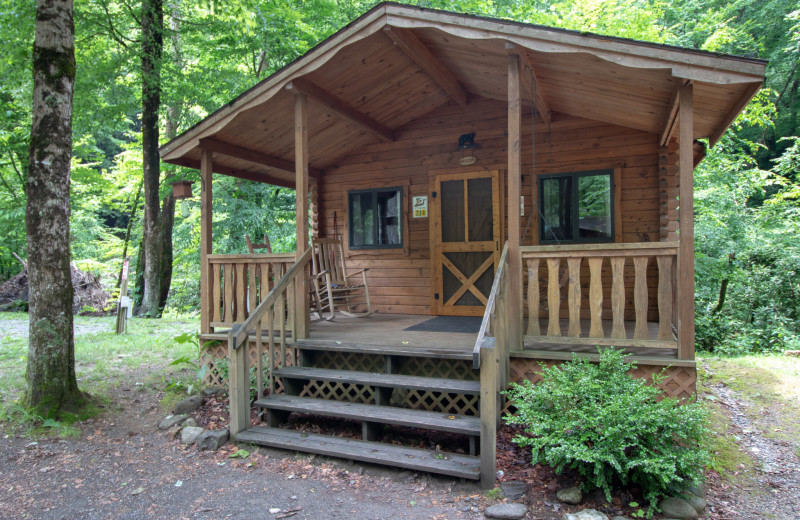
[467, 147]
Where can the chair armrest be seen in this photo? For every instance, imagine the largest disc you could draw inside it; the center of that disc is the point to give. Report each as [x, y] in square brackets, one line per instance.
[321, 274]
[358, 272]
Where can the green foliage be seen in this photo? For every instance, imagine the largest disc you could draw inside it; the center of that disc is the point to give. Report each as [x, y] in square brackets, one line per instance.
[610, 427]
[193, 360]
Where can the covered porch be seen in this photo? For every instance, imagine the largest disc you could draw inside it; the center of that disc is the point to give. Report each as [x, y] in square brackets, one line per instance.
[537, 180]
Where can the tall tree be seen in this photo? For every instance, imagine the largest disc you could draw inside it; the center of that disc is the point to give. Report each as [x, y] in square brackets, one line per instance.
[51, 382]
[152, 238]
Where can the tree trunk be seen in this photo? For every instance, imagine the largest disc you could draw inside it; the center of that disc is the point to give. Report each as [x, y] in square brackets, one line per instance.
[50, 377]
[152, 240]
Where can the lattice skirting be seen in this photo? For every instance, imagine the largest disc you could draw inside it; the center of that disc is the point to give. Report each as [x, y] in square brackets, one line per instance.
[215, 359]
[678, 382]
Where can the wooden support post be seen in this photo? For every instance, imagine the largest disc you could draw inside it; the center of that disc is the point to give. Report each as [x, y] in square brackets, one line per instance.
[488, 413]
[239, 384]
[686, 225]
[514, 274]
[301, 182]
[206, 166]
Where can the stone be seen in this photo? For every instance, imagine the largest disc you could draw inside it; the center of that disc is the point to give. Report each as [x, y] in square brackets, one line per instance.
[678, 508]
[696, 502]
[697, 490]
[585, 514]
[189, 404]
[212, 439]
[190, 433]
[506, 511]
[170, 421]
[571, 495]
[173, 431]
[213, 390]
[189, 422]
[513, 489]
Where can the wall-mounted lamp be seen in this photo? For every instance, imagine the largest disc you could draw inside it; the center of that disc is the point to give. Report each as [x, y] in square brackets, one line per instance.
[467, 147]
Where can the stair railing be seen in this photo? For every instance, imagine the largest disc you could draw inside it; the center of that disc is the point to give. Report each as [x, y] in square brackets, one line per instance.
[277, 315]
[490, 357]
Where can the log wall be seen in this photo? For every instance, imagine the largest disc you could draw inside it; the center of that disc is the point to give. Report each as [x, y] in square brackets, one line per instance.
[400, 280]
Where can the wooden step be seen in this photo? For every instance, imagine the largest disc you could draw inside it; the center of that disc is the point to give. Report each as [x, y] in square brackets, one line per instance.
[433, 384]
[417, 459]
[383, 350]
[464, 424]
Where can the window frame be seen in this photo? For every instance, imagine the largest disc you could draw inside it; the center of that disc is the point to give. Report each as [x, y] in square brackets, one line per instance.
[400, 219]
[575, 175]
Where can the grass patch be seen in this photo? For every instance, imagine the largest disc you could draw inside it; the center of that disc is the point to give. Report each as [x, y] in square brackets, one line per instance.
[103, 361]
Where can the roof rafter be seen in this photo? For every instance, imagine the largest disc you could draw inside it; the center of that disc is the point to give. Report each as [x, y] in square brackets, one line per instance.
[246, 154]
[239, 174]
[532, 82]
[340, 106]
[417, 52]
[671, 122]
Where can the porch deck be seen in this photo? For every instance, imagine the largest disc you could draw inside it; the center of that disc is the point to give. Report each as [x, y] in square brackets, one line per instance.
[387, 333]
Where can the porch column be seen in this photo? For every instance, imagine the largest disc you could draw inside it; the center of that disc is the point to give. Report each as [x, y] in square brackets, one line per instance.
[206, 166]
[514, 274]
[301, 206]
[685, 297]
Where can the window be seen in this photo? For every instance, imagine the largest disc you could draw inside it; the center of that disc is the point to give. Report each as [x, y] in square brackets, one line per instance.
[374, 218]
[576, 207]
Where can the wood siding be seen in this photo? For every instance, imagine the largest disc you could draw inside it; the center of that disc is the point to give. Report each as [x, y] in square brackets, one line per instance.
[400, 280]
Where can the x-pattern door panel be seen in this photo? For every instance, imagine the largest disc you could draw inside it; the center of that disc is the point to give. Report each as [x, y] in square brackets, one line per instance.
[466, 238]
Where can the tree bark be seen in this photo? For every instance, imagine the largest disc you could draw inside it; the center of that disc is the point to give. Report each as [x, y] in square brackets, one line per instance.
[51, 385]
[152, 240]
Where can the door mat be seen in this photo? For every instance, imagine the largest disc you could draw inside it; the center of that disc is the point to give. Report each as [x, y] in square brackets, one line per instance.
[464, 324]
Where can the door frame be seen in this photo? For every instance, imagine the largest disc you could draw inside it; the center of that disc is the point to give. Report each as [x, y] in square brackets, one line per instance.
[436, 246]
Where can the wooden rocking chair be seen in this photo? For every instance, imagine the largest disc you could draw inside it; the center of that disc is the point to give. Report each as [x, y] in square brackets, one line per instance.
[252, 247]
[332, 282]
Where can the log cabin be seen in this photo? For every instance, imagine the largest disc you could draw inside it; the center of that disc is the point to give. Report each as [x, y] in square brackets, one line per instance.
[516, 193]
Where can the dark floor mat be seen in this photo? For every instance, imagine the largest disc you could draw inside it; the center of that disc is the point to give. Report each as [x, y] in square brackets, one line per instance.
[466, 324]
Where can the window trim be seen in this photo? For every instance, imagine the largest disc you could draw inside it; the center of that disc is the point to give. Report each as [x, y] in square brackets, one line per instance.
[401, 218]
[612, 175]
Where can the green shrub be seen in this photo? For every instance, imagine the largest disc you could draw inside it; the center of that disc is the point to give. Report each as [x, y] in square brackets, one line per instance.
[610, 427]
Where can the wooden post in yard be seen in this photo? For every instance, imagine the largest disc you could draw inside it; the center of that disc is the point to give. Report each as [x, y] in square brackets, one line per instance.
[206, 166]
[124, 301]
[686, 227]
[238, 384]
[514, 309]
[301, 208]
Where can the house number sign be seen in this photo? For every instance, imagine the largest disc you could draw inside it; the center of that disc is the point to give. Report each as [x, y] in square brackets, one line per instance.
[420, 203]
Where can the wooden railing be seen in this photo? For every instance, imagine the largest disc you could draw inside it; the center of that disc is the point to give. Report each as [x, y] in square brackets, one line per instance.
[578, 267]
[278, 316]
[238, 283]
[490, 356]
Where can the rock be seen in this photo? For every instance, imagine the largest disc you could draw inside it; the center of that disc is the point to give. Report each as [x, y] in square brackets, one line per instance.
[172, 432]
[212, 439]
[696, 502]
[514, 489]
[170, 421]
[189, 404]
[213, 390]
[508, 511]
[189, 422]
[190, 433]
[678, 508]
[585, 514]
[571, 495]
[697, 490]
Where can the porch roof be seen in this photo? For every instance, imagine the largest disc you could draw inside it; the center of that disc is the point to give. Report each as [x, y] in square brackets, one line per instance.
[397, 62]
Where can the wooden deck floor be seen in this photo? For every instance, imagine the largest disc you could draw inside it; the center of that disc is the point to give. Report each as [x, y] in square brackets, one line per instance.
[387, 331]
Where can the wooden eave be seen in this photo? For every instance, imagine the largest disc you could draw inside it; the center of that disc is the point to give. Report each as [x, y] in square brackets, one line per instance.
[379, 73]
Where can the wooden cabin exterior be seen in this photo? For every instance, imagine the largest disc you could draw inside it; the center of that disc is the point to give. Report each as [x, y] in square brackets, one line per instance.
[565, 220]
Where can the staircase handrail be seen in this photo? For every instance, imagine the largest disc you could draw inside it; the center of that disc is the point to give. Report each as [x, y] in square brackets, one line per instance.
[483, 340]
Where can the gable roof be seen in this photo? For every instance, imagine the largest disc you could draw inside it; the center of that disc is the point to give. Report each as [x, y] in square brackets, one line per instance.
[397, 62]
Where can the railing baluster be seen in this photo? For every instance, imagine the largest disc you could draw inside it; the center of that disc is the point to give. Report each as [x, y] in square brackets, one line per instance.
[596, 297]
[533, 297]
[215, 299]
[574, 293]
[241, 296]
[664, 297]
[251, 288]
[227, 300]
[618, 297]
[640, 299]
[553, 297]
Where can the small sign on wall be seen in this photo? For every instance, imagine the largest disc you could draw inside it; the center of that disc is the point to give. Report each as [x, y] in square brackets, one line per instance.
[420, 204]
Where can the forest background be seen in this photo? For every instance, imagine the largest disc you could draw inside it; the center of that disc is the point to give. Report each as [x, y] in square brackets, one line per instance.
[747, 206]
